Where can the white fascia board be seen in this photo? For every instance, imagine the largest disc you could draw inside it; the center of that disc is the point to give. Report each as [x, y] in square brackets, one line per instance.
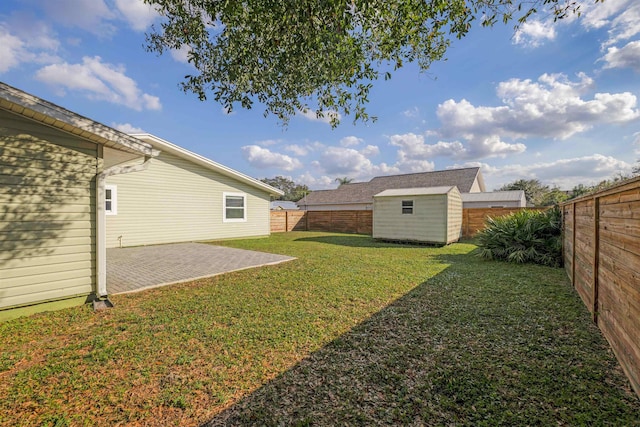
[420, 191]
[52, 115]
[168, 147]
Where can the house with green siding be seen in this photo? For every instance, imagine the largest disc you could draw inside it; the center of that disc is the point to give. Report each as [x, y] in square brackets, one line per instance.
[62, 186]
[183, 197]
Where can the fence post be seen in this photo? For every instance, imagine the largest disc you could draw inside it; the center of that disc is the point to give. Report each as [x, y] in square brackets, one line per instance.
[596, 255]
[573, 246]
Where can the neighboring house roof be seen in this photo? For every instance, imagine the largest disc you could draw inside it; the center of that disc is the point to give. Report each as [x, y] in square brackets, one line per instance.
[495, 196]
[363, 192]
[168, 147]
[422, 191]
[284, 205]
[49, 114]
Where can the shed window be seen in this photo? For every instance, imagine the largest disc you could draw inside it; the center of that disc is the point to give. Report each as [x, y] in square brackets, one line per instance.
[111, 199]
[407, 207]
[235, 207]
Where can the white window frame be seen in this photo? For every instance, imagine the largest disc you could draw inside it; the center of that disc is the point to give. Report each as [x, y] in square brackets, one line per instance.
[402, 207]
[224, 207]
[114, 200]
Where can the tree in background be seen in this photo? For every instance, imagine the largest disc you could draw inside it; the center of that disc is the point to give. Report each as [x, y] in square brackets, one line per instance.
[533, 189]
[292, 191]
[299, 55]
[580, 189]
[344, 180]
[553, 197]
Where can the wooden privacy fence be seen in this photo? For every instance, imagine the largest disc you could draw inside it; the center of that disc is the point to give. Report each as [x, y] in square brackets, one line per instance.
[361, 222]
[283, 221]
[473, 218]
[601, 245]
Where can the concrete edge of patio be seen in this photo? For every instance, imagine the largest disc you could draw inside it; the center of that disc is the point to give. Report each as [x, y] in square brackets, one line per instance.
[206, 276]
[146, 267]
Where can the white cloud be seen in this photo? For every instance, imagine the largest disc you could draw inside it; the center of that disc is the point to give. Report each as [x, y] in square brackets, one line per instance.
[12, 50]
[182, 54]
[100, 17]
[415, 166]
[263, 158]
[326, 118]
[636, 143]
[268, 142]
[411, 113]
[620, 17]
[625, 25]
[99, 81]
[413, 147]
[598, 16]
[138, 14]
[127, 128]
[551, 107]
[297, 150]
[322, 183]
[24, 39]
[565, 173]
[90, 15]
[35, 34]
[341, 161]
[350, 141]
[370, 151]
[534, 33]
[624, 57]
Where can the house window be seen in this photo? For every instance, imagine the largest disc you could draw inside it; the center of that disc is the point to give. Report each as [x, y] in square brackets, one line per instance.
[407, 207]
[111, 199]
[235, 207]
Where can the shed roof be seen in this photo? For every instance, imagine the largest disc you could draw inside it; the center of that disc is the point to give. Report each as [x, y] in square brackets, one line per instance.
[52, 115]
[363, 192]
[284, 204]
[168, 147]
[422, 191]
[494, 196]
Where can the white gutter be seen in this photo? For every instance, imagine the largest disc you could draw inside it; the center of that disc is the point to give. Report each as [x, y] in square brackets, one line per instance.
[101, 219]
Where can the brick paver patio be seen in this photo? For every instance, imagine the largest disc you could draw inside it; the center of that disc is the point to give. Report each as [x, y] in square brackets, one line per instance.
[143, 267]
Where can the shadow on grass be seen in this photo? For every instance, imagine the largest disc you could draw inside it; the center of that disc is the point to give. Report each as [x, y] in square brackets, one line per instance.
[360, 241]
[479, 344]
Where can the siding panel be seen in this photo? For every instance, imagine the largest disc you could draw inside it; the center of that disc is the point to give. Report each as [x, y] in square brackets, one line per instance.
[428, 223]
[47, 213]
[175, 200]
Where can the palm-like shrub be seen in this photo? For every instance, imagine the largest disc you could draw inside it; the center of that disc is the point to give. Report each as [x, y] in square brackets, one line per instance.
[524, 236]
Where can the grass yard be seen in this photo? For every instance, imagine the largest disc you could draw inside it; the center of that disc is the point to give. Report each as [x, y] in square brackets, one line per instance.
[353, 332]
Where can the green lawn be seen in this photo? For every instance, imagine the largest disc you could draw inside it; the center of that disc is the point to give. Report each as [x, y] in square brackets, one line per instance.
[353, 332]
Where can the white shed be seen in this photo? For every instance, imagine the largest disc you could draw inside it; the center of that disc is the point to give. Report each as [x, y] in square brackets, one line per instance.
[428, 214]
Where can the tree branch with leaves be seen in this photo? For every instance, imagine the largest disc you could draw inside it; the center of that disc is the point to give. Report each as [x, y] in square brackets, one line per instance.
[297, 55]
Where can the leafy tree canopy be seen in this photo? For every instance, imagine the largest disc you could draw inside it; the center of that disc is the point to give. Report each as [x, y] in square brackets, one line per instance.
[292, 191]
[534, 190]
[344, 180]
[296, 55]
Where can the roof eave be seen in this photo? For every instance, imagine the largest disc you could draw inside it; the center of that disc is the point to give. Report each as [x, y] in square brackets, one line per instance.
[168, 147]
[52, 115]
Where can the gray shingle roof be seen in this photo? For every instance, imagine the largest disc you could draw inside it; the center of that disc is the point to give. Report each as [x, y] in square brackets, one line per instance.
[363, 192]
[495, 196]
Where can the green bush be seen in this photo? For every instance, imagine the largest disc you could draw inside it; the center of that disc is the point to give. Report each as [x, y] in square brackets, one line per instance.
[524, 236]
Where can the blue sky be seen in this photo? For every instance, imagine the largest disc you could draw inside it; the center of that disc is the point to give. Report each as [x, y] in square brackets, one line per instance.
[555, 102]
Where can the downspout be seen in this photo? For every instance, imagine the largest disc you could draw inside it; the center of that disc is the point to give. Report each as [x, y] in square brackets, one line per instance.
[101, 219]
